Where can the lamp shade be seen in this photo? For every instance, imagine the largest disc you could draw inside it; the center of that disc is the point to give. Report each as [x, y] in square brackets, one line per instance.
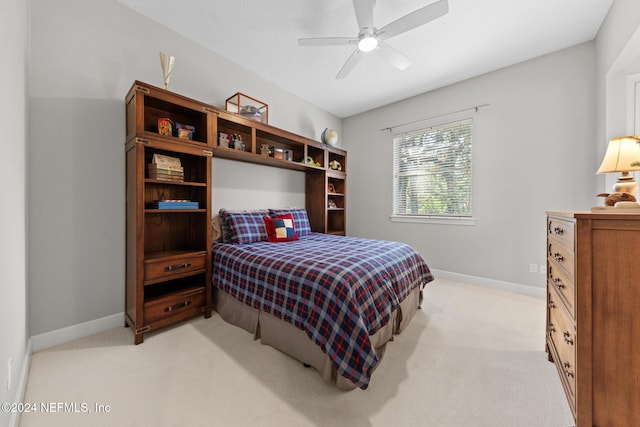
[623, 155]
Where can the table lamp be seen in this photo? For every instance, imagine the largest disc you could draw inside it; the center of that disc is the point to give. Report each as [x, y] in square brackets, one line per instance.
[623, 155]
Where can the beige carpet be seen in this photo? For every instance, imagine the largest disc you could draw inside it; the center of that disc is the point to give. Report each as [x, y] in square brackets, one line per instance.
[472, 356]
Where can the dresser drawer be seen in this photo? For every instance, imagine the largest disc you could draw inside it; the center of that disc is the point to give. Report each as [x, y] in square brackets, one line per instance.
[563, 283]
[168, 267]
[561, 256]
[568, 382]
[562, 334]
[561, 230]
[172, 304]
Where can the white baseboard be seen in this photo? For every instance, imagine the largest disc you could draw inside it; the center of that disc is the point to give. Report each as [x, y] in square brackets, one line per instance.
[21, 385]
[59, 336]
[81, 330]
[533, 291]
[70, 333]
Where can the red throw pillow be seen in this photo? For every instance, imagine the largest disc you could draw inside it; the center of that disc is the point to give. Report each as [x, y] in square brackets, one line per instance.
[280, 228]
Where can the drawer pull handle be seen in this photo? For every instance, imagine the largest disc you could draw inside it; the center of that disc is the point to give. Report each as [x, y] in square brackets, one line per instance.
[558, 257]
[177, 306]
[177, 267]
[567, 337]
[558, 230]
[552, 328]
[567, 372]
[552, 304]
[559, 283]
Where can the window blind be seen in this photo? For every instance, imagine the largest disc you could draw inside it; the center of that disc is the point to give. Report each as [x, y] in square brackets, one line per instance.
[432, 171]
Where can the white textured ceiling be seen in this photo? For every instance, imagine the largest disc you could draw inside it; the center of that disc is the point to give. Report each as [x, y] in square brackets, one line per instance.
[475, 37]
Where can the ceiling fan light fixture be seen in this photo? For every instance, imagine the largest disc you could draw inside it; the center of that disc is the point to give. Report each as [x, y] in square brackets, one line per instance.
[370, 38]
[367, 43]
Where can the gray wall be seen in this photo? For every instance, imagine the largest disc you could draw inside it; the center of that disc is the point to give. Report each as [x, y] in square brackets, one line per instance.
[85, 56]
[532, 151]
[240, 185]
[14, 18]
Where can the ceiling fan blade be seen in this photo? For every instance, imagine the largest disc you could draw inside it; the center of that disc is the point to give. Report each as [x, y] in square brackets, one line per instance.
[364, 13]
[350, 64]
[327, 41]
[395, 58]
[414, 19]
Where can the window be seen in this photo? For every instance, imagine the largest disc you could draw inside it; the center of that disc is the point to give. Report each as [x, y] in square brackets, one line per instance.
[432, 171]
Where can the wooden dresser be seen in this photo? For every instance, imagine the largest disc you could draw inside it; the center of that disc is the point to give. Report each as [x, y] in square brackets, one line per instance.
[593, 314]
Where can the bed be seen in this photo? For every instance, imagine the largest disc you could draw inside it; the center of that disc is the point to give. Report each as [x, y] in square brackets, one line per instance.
[332, 302]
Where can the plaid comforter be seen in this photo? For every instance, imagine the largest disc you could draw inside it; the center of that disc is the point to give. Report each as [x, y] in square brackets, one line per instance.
[338, 289]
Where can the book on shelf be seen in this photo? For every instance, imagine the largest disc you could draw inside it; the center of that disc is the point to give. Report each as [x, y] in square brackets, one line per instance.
[169, 170]
[162, 177]
[170, 173]
[173, 204]
[165, 168]
[167, 179]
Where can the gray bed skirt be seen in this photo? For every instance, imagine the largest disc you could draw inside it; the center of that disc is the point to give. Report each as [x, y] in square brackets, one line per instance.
[290, 340]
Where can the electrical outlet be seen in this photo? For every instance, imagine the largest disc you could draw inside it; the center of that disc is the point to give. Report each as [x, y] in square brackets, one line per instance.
[533, 268]
[9, 368]
[543, 269]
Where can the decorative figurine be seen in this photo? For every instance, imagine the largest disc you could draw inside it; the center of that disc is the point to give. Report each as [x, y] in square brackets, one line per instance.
[613, 198]
[166, 62]
[329, 136]
[165, 127]
[335, 165]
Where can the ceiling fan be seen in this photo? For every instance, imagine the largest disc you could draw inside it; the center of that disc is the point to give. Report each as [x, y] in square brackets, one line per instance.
[371, 38]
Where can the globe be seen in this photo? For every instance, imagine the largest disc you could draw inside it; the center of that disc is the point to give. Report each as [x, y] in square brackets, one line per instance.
[329, 136]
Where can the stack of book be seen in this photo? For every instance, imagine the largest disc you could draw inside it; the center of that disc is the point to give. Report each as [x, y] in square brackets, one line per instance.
[166, 168]
[173, 204]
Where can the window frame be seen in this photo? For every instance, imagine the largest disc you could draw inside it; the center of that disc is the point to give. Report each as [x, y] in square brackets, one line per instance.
[433, 218]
